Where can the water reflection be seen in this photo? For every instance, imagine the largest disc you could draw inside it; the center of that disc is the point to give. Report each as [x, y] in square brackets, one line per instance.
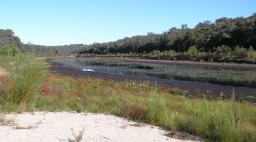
[84, 69]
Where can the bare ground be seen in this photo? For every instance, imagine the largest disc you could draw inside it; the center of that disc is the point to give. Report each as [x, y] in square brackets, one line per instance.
[57, 127]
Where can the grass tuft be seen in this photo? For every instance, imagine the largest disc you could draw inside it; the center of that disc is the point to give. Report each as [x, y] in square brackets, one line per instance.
[78, 137]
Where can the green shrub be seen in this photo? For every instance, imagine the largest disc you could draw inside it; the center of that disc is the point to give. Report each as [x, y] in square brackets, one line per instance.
[192, 51]
[157, 110]
[26, 82]
[226, 51]
[174, 91]
[240, 52]
[9, 50]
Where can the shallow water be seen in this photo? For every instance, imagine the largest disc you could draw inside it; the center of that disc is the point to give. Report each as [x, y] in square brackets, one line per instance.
[207, 74]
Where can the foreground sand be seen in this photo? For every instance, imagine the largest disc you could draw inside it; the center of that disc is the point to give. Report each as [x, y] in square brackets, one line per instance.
[56, 127]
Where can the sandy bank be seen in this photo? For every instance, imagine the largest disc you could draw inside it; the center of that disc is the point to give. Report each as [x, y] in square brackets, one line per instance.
[56, 127]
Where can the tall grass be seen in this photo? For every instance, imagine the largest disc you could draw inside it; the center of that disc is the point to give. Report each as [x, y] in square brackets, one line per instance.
[218, 121]
[157, 110]
[25, 77]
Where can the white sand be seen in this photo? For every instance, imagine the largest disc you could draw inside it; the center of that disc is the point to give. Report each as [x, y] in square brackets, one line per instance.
[56, 127]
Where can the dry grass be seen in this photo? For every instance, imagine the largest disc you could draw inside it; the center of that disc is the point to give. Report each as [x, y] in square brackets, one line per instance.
[3, 71]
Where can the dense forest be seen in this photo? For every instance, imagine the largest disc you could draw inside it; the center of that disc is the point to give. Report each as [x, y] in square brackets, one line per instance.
[224, 39]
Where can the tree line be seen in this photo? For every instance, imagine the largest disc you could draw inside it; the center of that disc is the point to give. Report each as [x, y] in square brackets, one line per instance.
[11, 44]
[205, 36]
[224, 38]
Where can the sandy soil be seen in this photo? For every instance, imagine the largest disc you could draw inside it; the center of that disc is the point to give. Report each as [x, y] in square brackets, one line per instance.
[56, 127]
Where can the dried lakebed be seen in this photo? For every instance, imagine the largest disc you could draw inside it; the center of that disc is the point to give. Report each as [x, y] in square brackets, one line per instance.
[193, 78]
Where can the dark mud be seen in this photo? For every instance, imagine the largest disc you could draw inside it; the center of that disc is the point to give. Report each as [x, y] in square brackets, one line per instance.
[190, 89]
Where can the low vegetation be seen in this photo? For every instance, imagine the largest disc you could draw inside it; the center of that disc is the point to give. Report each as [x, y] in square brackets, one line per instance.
[28, 86]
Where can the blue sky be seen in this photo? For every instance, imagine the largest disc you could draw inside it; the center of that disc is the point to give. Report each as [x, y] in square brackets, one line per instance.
[60, 22]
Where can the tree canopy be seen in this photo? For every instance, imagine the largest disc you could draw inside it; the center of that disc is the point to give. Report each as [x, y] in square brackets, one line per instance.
[205, 36]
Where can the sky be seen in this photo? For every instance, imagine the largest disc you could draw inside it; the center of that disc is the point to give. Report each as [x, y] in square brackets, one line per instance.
[64, 22]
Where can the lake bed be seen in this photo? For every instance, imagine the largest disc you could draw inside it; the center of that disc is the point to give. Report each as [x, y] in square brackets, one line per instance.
[196, 78]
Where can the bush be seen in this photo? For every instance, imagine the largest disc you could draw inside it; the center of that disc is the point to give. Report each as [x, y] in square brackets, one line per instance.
[240, 52]
[226, 51]
[9, 50]
[25, 81]
[192, 51]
